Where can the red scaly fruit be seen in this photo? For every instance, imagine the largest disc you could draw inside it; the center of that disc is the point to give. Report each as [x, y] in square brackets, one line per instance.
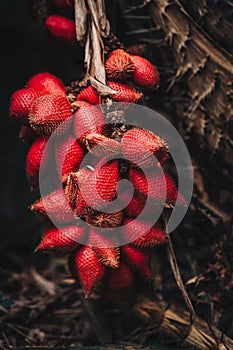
[104, 181]
[125, 93]
[48, 112]
[140, 146]
[27, 134]
[86, 266]
[89, 95]
[137, 259]
[21, 102]
[159, 187]
[64, 4]
[87, 119]
[145, 74]
[72, 184]
[142, 235]
[119, 65]
[61, 241]
[54, 206]
[47, 83]
[107, 255]
[136, 205]
[120, 279]
[34, 159]
[62, 28]
[69, 155]
[106, 146]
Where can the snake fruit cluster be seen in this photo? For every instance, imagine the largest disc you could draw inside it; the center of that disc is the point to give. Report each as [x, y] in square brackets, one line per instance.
[77, 209]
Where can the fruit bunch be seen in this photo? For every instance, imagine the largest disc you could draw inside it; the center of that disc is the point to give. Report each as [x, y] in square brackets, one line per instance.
[76, 207]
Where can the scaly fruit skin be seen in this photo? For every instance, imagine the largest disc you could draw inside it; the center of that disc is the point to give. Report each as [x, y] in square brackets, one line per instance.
[140, 146]
[34, 158]
[87, 119]
[120, 279]
[107, 255]
[86, 265]
[21, 102]
[89, 95]
[61, 241]
[119, 65]
[69, 155]
[142, 235]
[162, 186]
[125, 93]
[48, 112]
[101, 187]
[47, 83]
[54, 206]
[136, 205]
[137, 259]
[145, 74]
[61, 27]
[106, 146]
[27, 134]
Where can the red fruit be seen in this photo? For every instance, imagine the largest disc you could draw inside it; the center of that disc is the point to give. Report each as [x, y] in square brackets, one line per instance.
[72, 184]
[87, 119]
[89, 95]
[47, 83]
[62, 28]
[106, 146]
[62, 241]
[136, 205]
[159, 188]
[69, 155]
[86, 266]
[145, 74]
[54, 206]
[34, 158]
[27, 134]
[140, 146]
[125, 93]
[138, 260]
[65, 4]
[108, 255]
[121, 278]
[101, 186]
[48, 112]
[119, 65]
[141, 235]
[21, 102]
